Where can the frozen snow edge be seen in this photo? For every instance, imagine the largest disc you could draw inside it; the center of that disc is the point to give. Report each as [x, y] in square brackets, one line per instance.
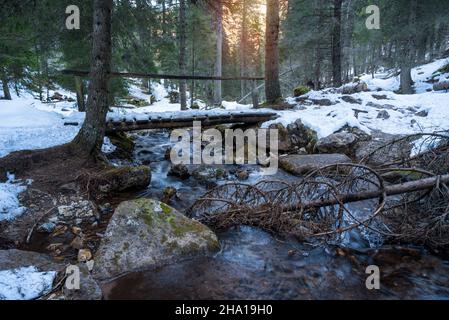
[25, 283]
[10, 207]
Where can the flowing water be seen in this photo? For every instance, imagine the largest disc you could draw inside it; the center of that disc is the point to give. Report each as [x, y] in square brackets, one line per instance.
[253, 264]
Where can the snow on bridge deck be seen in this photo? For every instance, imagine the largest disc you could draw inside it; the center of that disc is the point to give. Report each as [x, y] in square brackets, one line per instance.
[182, 119]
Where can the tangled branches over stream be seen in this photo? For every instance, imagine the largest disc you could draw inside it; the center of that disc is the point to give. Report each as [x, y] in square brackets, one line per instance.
[381, 202]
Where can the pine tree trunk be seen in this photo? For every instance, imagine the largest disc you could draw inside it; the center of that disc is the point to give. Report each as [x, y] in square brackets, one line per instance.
[406, 79]
[243, 47]
[79, 87]
[318, 51]
[336, 44]
[90, 138]
[219, 54]
[407, 61]
[272, 85]
[6, 92]
[182, 53]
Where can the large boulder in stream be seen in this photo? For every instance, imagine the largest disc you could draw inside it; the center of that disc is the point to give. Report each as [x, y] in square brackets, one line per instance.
[144, 234]
[374, 154]
[340, 142]
[302, 164]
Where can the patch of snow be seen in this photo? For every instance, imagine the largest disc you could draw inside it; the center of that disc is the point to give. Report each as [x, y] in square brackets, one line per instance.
[234, 105]
[27, 123]
[9, 203]
[159, 91]
[420, 75]
[108, 147]
[25, 283]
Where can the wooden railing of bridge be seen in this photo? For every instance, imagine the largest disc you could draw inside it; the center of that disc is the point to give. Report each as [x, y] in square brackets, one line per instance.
[83, 74]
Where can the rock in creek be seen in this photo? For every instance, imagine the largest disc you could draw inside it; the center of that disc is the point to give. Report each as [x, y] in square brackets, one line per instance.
[303, 164]
[124, 178]
[89, 288]
[180, 171]
[13, 259]
[341, 142]
[375, 157]
[144, 234]
[301, 136]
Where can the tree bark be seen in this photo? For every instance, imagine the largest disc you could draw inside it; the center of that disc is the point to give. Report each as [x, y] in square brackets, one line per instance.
[409, 49]
[243, 46]
[6, 92]
[79, 87]
[336, 44]
[272, 87]
[90, 138]
[219, 54]
[182, 53]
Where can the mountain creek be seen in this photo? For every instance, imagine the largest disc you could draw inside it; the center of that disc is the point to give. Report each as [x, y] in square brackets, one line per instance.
[250, 264]
[253, 264]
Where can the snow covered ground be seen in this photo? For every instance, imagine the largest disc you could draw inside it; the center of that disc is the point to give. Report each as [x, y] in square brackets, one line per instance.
[404, 110]
[27, 123]
[25, 283]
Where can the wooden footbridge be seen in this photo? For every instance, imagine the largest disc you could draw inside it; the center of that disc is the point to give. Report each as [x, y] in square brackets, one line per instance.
[185, 119]
[168, 120]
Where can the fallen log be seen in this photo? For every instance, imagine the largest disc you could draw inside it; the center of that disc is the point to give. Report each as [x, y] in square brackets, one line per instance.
[408, 187]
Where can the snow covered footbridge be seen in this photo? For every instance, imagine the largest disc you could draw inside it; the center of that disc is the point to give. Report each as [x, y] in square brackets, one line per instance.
[169, 120]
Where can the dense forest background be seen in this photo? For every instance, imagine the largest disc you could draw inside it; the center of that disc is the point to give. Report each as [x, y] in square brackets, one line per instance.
[321, 42]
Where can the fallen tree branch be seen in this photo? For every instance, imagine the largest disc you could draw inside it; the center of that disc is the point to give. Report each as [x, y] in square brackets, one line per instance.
[408, 187]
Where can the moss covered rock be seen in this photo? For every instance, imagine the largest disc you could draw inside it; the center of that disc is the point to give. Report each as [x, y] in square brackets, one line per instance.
[124, 178]
[300, 91]
[124, 143]
[144, 234]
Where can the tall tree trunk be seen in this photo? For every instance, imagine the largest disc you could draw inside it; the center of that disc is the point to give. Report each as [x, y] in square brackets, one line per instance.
[347, 38]
[79, 87]
[90, 138]
[6, 92]
[219, 54]
[318, 46]
[336, 44]
[192, 87]
[182, 53]
[164, 18]
[243, 47]
[272, 85]
[409, 49]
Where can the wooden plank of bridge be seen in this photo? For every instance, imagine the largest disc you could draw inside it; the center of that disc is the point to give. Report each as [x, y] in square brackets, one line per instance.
[169, 121]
